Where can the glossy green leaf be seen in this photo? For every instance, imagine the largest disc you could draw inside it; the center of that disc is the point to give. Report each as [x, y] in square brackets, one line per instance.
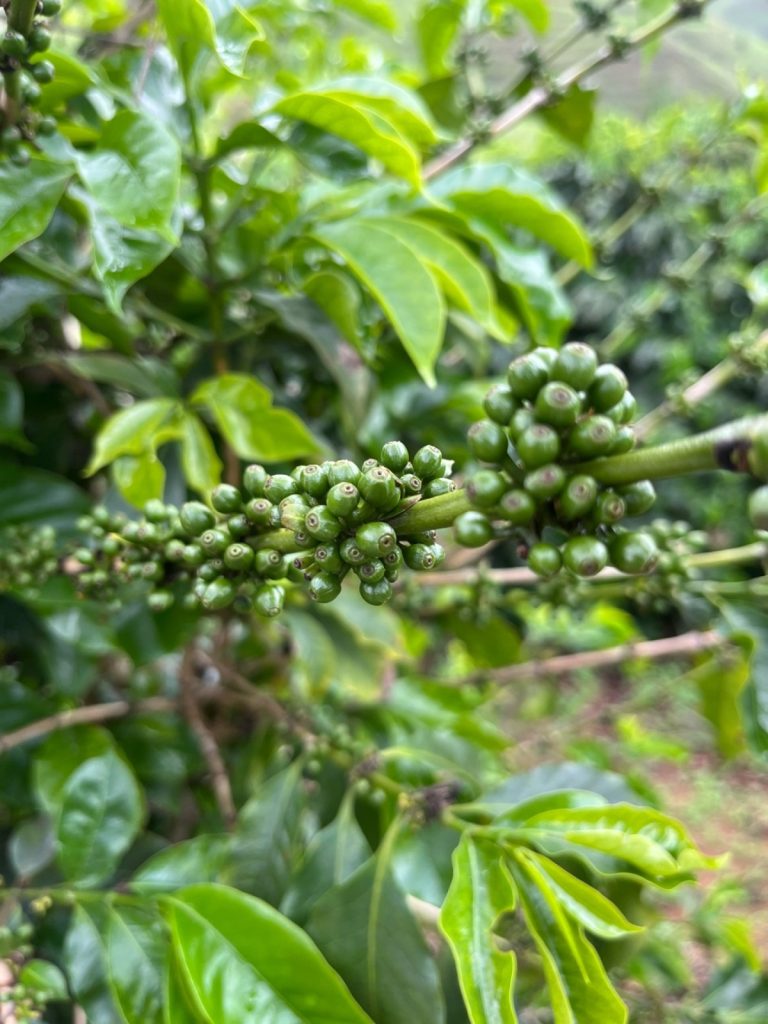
[437, 30]
[481, 890]
[190, 29]
[268, 841]
[335, 853]
[573, 114]
[351, 119]
[244, 963]
[146, 378]
[37, 496]
[498, 193]
[353, 924]
[101, 812]
[44, 980]
[179, 1008]
[247, 135]
[401, 283]
[137, 951]
[242, 410]
[139, 478]
[59, 757]
[463, 278]
[403, 109]
[199, 459]
[579, 989]
[721, 681]
[28, 197]
[585, 904]
[31, 846]
[84, 960]
[134, 173]
[377, 12]
[20, 294]
[200, 859]
[339, 298]
[133, 430]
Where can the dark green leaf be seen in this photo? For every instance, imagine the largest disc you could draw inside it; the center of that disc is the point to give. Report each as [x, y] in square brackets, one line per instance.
[37, 496]
[244, 963]
[100, 815]
[354, 924]
[146, 378]
[201, 859]
[60, 756]
[137, 951]
[84, 960]
[12, 413]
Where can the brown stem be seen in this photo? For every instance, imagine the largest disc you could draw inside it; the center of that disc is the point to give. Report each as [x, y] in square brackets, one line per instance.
[209, 748]
[540, 95]
[81, 716]
[685, 645]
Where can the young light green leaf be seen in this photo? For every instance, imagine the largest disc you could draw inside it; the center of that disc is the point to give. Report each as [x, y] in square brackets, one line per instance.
[720, 681]
[242, 410]
[101, 812]
[401, 107]
[243, 961]
[579, 989]
[437, 28]
[134, 430]
[121, 255]
[499, 193]
[481, 890]
[401, 283]
[134, 173]
[351, 119]
[190, 28]
[585, 904]
[28, 197]
[199, 460]
[536, 12]
[463, 278]
[354, 924]
[137, 954]
[179, 1007]
[139, 478]
[377, 12]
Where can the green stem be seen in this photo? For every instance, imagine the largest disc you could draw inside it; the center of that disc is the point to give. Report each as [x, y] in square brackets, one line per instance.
[727, 556]
[432, 513]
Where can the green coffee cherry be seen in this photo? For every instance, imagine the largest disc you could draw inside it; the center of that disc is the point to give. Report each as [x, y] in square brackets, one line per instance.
[500, 404]
[376, 593]
[214, 542]
[254, 478]
[322, 524]
[544, 559]
[379, 488]
[527, 375]
[219, 594]
[517, 507]
[472, 529]
[485, 488]
[342, 499]
[440, 485]
[159, 600]
[193, 555]
[411, 483]
[48, 8]
[419, 557]
[585, 556]
[577, 497]
[609, 508]
[375, 539]
[607, 388]
[196, 518]
[521, 420]
[758, 508]
[268, 563]
[351, 553]
[279, 486]
[487, 441]
[545, 482]
[342, 471]
[638, 498]
[537, 445]
[395, 456]
[325, 587]
[576, 365]
[328, 558]
[14, 44]
[428, 462]
[43, 72]
[259, 511]
[238, 556]
[268, 600]
[592, 437]
[634, 553]
[39, 39]
[371, 572]
[557, 404]
[625, 409]
[625, 440]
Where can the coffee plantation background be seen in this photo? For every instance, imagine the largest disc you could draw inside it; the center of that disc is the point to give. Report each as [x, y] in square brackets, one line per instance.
[330, 688]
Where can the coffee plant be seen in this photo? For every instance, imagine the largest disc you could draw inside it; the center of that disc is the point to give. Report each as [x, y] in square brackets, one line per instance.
[304, 438]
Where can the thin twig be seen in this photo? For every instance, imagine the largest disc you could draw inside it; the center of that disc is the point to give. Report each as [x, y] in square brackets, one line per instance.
[82, 716]
[685, 645]
[209, 748]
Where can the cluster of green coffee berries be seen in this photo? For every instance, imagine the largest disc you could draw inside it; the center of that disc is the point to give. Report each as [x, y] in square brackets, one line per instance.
[557, 411]
[312, 527]
[27, 556]
[20, 56]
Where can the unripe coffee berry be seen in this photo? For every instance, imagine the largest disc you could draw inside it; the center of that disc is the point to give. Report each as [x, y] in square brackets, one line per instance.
[376, 593]
[324, 587]
[196, 518]
[545, 482]
[585, 556]
[576, 365]
[607, 388]
[634, 553]
[254, 478]
[638, 497]
[592, 437]
[544, 559]
[472, 529]
[428, 462]
[485, 488]
[342, 499]
[517, 507]
[577, 497]
[557, 404]
[375, 539]
[537, 445]
[487, 441]
[527, 375]
[395, 456]
[500, 404]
